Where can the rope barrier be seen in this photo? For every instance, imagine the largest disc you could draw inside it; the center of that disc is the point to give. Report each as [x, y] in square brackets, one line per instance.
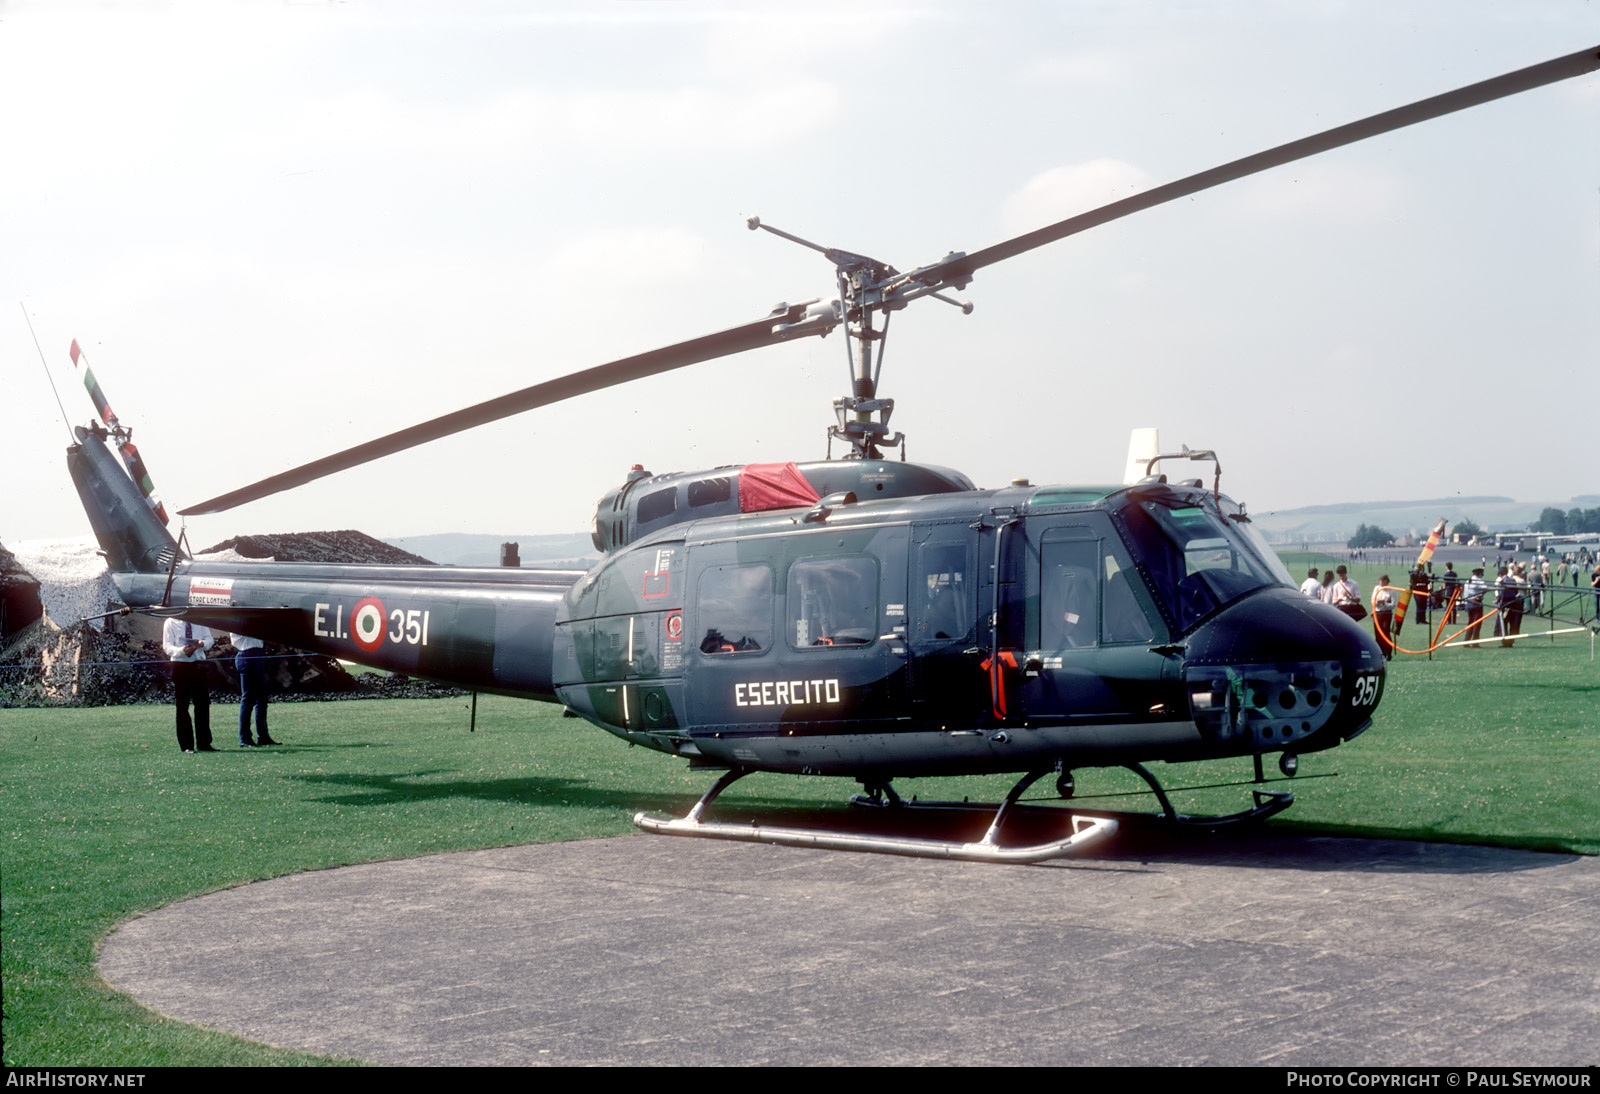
[150, 661]
[1547, 590]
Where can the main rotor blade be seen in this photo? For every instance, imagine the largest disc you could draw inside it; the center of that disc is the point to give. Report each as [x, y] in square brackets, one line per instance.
[1549, 72]
[785, 322]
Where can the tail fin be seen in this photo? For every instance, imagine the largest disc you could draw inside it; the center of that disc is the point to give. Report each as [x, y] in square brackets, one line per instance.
[124, 436]
[1143, 446]
[131, 535]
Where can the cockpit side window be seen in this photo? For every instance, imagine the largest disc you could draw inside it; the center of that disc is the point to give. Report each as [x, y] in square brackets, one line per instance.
[1069, 594]
[1123, 619]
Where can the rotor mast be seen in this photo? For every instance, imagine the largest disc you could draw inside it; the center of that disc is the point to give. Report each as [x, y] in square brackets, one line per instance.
[868, 286]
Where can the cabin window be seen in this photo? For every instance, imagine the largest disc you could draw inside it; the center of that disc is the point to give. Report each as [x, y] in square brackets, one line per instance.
[735, 609]
[652, 507]
[710, 491]
[833, 602]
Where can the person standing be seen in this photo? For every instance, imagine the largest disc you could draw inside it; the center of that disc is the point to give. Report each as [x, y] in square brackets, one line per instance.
[1383, 603]
[1473, 595]
[186, 645]
[1452, 583]
[1510, 598]
[1325, 591]
[251, 661]
[1310, 586]
[1345, 595]
[1421, 584]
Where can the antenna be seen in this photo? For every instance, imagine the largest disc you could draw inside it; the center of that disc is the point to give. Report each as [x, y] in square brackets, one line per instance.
[66, 421]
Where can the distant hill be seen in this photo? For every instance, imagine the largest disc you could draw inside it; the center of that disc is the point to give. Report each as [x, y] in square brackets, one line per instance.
[1331, 523]
[572, 550]
[1345, 507]
[1337, 522]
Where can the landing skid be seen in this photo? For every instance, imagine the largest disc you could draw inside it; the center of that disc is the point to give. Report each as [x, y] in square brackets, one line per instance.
[1085, 830]
[1267, 802]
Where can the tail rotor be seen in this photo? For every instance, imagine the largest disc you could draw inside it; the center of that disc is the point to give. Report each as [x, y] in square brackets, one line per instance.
[121, 434]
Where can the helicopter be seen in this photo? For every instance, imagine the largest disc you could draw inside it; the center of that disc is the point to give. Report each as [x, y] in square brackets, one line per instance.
[862, 617]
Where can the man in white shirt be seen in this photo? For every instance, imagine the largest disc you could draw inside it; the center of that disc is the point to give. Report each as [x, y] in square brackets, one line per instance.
[186, 645]
[1472, 596]
[1383, 605]
[1311, 585]
[1346, 595]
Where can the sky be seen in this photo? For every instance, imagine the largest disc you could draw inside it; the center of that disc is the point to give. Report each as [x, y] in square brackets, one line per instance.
[281, 229]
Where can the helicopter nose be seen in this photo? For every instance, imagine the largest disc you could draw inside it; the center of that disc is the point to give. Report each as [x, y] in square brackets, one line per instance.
[1278, 671]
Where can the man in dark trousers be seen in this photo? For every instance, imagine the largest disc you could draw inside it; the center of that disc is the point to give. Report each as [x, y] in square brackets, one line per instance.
[1509, 588]
[1473, 595]
[251, 661]
[1452, 581]
[1421, 592]
[186, 645]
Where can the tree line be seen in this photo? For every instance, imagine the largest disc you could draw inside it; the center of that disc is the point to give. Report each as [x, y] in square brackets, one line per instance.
[1568, 523]
[1370, 535]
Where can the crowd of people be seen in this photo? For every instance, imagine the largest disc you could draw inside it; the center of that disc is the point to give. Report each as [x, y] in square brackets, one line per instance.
[1517, 588]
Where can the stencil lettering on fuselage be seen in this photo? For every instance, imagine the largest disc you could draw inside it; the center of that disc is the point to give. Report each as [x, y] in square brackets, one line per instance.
[785, 693]
[370, 624]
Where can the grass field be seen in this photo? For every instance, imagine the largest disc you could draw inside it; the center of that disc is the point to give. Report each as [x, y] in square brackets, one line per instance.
[104, 818]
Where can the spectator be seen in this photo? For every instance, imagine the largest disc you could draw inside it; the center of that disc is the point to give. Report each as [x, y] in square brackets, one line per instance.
[1383, 602]
[186, 645]
[1509, 589]
[1473, 595]
[251, 661]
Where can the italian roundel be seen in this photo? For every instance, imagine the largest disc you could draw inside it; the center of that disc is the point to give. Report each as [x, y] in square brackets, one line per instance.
[367, 623]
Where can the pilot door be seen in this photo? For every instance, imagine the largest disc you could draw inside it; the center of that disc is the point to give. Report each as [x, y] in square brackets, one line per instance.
[945, 631]
[1091, 630]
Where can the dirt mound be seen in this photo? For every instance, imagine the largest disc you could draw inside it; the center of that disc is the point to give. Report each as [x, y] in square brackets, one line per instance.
[346, 546]
[20, 606]
[76, 665]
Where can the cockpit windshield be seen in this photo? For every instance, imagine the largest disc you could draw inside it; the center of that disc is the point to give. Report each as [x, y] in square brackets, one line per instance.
[1198, 560]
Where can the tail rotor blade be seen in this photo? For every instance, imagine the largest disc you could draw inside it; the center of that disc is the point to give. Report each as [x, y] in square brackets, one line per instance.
[102, 406]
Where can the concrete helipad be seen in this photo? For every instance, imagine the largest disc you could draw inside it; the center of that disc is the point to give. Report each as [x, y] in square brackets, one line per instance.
[651, 950]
